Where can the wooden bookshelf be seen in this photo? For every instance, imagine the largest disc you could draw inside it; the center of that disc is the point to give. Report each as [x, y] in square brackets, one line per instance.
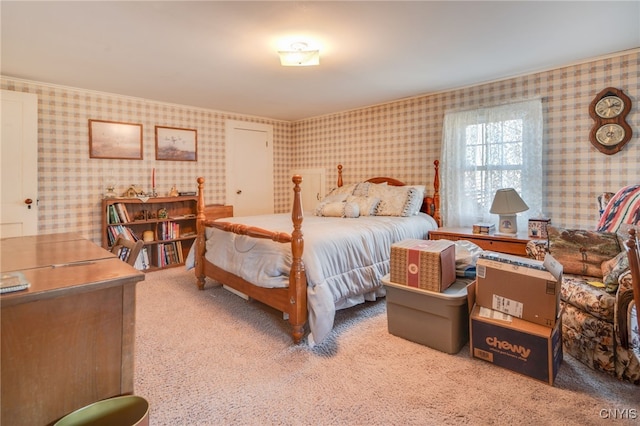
[170, 221]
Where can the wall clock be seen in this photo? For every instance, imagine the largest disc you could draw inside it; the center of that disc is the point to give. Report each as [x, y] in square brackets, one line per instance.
[609, 110]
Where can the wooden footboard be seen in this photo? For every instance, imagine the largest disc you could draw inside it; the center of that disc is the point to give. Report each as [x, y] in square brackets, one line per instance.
[291, 300]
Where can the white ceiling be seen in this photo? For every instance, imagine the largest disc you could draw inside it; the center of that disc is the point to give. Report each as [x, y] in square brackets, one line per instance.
[222, 55]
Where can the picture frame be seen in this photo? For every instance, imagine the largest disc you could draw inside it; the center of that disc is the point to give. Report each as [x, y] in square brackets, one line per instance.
[115, 139]
[176, 144]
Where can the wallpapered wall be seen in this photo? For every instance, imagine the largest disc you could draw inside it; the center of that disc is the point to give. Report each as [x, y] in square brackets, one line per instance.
[402, 139]
[70, 184]
[399, 139]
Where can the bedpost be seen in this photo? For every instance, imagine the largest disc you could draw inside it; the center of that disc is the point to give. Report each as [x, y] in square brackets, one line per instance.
[436, 193]
[339, 175]
[200, 239]
[297, 277]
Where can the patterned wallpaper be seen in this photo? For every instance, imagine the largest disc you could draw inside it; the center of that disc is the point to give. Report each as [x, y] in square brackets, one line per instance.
[70, 184]
[399, 139]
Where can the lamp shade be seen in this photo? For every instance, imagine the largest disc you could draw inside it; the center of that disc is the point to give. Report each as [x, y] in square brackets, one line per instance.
[507, 201]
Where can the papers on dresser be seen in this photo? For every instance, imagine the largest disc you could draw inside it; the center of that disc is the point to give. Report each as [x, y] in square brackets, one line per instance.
[13, 281]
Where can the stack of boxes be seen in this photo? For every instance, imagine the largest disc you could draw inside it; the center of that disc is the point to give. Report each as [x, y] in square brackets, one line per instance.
[425, 302]
[516, 320]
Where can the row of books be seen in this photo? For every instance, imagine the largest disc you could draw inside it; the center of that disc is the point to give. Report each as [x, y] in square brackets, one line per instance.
[117, 213]
[114, 230]
[169, 254]
[142, 262]
[168, 230]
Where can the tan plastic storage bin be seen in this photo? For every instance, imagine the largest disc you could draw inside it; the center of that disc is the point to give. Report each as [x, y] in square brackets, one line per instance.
[437, 320]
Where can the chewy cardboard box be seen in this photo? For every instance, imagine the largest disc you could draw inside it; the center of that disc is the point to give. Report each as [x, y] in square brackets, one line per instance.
[426, 264]
[439, 320]
[521, 346]
[524, 288]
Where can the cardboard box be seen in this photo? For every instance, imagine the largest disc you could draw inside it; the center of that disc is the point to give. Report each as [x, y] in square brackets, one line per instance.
[525, 288]
[521, 346]
[439, 320]
[426, 264]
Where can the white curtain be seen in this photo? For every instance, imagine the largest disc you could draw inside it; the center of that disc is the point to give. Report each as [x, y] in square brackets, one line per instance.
[487, 149]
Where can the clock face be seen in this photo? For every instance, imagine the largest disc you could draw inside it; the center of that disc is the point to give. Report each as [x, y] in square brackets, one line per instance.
[610, 134]
[609, 107]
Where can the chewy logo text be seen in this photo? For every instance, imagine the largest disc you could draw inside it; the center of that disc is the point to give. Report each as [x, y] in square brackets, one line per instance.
[503, 344]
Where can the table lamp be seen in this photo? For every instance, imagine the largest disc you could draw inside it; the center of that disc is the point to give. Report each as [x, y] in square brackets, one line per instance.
[507, 203]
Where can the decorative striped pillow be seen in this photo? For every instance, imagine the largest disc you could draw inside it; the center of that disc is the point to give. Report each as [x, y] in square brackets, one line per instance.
[624, 207]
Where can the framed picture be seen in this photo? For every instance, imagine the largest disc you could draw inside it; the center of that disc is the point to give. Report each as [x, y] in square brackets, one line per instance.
[112, 139]
[176, 144]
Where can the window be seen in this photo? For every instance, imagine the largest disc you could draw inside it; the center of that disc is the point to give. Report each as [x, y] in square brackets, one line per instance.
[488, 149]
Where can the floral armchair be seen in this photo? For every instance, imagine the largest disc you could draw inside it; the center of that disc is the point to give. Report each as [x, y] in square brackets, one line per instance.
[599, 325]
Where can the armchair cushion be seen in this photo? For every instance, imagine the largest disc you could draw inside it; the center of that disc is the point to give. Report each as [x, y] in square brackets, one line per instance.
[582, 251]
[612, 271]
[577, 291]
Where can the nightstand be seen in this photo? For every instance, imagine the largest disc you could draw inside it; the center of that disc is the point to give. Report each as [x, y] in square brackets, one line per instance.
[500, 243]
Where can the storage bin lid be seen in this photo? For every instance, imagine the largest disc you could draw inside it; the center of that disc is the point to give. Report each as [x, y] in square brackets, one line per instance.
[457, 290]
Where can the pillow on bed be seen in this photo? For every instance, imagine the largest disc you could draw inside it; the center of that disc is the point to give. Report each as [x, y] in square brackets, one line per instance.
[367, 205]
[340, 193]
[335, 198]
[338, 209]
[362, 189]
[397, 200]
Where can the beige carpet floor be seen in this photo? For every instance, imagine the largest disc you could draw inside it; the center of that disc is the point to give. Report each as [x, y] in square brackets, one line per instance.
[211, 358]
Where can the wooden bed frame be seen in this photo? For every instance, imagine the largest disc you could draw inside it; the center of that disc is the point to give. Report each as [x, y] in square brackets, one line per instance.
[292, 301]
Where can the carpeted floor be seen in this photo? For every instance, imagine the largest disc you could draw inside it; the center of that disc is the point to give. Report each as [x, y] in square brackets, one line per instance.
[212, 358]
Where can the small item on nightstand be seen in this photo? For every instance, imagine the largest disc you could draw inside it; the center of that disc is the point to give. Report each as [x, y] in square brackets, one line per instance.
[484, 228]
[538, 227]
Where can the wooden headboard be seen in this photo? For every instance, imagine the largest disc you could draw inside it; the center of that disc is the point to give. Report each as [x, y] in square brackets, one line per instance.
[430, 205]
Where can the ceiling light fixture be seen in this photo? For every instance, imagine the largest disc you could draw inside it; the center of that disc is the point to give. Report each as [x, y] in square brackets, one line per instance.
[300, 55]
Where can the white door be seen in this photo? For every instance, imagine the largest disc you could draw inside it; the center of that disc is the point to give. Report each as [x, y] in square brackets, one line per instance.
[312, 187]
[249, 168]
[19, 163]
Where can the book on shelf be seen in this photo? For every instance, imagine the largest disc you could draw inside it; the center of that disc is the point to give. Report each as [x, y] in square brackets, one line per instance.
[484, 228]
[118, 213]
[123, 214]
[13, 281]
[115, 230]
[142, 262]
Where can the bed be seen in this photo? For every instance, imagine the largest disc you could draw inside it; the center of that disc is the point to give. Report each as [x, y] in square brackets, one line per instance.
[339, 261]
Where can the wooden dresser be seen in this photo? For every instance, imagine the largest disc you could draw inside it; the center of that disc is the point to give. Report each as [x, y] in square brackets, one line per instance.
[515, 245]
[68, 340]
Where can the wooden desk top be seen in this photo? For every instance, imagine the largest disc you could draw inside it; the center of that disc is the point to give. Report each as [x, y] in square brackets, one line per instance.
[28, 253]
[48, 282]
[41, 239]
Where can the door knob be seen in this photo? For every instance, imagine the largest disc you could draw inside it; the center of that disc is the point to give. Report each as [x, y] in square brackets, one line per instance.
[28, 202]
[239, 191]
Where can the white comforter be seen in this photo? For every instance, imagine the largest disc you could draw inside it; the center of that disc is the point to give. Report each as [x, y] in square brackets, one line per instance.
[344, 259]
